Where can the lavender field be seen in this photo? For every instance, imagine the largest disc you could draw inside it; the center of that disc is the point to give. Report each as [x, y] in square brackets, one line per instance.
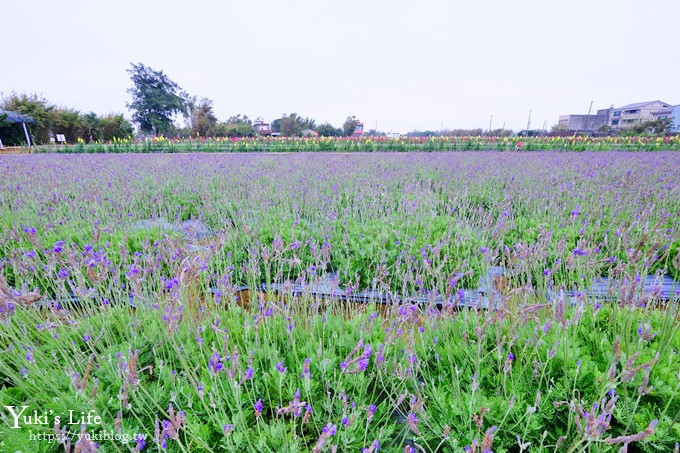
[138, 311]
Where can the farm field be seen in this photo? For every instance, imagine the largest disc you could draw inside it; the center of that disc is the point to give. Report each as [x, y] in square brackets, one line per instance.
[139, 288]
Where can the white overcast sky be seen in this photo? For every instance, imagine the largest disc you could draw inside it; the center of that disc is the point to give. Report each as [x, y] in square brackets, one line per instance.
[402, 65]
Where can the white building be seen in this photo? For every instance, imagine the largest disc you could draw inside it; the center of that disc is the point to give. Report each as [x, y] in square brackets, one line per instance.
[675, 116]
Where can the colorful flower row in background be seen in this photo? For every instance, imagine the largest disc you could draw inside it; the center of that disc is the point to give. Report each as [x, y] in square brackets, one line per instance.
[371, 144]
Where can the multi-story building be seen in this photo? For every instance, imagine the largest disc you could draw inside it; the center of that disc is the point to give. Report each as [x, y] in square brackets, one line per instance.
[633, 114]
[617, 118]
[583, 123]
[359, 131]
[675, 120]
[263, 128]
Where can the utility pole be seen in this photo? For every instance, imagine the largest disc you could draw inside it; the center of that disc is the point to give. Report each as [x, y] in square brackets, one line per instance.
[490, 125]
[528, 123]
[588, 119]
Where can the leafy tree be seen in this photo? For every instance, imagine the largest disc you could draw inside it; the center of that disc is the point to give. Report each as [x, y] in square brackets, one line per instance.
[36, 107]
[202, 117]
[155, 99]
[465, 132]
[114, 126]
[11, 133]
[350, 125]
[236, 126]
[659, 126]
[375, 133]
[305, 123]
[289, 126]
[276, 126]
[91, 125]
[239, 119]
[69, 123]
[52, 120]
[417, 133]
[292, 125]
[501, 133]
[327, 130]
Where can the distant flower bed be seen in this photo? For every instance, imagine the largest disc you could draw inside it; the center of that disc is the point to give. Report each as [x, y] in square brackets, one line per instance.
[371, 144]
[124, 309]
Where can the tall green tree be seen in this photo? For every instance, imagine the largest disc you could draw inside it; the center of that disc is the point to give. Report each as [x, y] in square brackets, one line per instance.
[292, 125]
[68, 122]
[202, 117]
[236, 126]
[155, 99]
[328, 130]
[350, 125]
[114, 125]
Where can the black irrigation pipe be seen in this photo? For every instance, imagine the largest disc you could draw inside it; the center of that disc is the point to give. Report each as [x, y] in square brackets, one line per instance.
[603, 290]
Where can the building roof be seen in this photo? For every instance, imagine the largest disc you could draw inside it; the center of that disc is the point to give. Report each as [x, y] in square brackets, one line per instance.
[637, 105]
[16, 117]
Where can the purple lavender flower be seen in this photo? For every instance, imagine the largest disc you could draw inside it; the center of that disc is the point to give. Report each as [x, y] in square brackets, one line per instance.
[215, 365]
[371, 412]
[412, 419]
[306, 374]
[140, 442]
[329, 429]
[58, 246]
[171, 283]
[281, 368]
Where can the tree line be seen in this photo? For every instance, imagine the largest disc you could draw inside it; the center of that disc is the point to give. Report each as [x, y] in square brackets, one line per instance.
[51, 120]
[157, 101]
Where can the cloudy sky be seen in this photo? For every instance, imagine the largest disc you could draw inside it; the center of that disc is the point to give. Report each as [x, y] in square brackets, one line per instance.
[400, 65]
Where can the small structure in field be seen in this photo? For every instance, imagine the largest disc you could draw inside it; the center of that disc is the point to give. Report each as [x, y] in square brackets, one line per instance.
[13, 117]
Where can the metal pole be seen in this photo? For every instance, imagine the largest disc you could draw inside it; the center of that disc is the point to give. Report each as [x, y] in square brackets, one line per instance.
[588, 119]
[490, 125]
[28, 139]
[528, 123]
